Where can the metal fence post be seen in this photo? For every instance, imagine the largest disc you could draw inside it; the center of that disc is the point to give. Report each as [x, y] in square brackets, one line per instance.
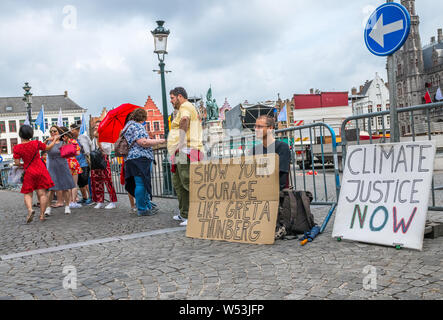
[394, 125]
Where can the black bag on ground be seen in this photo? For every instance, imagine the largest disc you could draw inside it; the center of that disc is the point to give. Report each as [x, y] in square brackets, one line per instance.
[294, 214]
[98, 162]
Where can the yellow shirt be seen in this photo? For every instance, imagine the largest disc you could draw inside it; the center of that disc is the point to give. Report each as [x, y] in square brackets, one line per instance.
[194, 133]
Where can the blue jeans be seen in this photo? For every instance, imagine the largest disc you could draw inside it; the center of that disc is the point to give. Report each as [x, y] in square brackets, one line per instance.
[142, 197]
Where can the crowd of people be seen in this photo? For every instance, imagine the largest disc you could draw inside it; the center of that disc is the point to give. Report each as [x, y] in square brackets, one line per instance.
[52, 171]
[55, 171]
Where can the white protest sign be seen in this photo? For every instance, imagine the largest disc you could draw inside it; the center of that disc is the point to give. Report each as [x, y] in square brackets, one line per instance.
[385, 193]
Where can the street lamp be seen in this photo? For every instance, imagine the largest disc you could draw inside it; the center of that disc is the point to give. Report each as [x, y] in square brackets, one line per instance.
[160, 44]
[160, 35]
[28, 101]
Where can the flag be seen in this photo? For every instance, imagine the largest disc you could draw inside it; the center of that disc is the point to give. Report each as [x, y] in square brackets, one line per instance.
[83, 127]
[40, 121]
[27, 120]
[282, 116]
[438, 95]
[428, 97]
[60, 120]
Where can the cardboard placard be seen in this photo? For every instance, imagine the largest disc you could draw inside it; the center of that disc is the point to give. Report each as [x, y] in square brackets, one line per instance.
[234, 200]
[385, 193]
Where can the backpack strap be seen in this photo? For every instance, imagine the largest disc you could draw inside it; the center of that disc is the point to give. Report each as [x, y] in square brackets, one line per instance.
[292, 205]
[32, 159]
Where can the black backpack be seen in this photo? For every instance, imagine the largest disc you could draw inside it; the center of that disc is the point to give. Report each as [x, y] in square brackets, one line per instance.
[98, 162]
[294, 214]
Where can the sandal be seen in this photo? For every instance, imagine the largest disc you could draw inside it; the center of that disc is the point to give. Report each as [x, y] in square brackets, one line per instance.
[30, 217]
[42, 218]
[57, 206]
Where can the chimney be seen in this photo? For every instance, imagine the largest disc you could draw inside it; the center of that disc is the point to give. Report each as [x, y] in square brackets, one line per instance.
[432, 40]
[440, 35]
[361, 89]
[66, 94]
[354, 91]
[311, 91]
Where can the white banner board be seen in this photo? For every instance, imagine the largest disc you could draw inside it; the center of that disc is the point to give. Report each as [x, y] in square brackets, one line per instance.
[385, 193]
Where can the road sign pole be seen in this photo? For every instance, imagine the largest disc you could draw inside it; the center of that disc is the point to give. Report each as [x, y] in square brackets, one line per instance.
[386, 31]
[394, 125]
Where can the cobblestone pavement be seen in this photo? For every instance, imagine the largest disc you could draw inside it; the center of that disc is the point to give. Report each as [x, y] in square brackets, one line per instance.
[171, 266]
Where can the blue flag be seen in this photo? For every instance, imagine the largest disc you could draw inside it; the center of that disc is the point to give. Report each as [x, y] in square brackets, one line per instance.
[282, 116]
[40, 121]
[83, 127]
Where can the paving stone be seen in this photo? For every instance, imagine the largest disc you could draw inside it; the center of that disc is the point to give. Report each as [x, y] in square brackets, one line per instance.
[171, 266]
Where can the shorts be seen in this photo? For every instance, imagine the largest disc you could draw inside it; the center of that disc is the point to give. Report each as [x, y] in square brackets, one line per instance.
[83, 177]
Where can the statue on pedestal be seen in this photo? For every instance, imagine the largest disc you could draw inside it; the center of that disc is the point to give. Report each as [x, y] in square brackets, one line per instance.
[211, 107]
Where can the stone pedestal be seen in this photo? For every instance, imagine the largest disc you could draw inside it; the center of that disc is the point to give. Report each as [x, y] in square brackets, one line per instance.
[213, 133]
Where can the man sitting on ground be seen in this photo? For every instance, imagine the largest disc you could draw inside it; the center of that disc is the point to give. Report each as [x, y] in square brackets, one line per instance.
[264, 127]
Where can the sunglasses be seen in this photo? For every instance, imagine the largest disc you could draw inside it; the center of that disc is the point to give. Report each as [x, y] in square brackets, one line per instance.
[53, 131]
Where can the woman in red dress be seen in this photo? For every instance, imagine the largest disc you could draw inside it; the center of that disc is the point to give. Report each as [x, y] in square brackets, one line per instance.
[36, 177]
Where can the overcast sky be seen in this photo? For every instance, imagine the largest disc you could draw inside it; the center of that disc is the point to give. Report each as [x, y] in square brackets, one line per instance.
[101, 52]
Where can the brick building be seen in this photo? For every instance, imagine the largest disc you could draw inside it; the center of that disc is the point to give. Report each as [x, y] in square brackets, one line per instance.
[154, 121]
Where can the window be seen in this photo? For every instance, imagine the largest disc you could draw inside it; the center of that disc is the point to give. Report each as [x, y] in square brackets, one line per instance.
[14, 142]
[379, 107]
[46, 123]
[21, 122]
[388, 106]
[54, 121]
[380, 121]
[369, 109]
[162, 136]
[65, 122]
[3, 146]
[12, 126]
[148, 125]
[388, 120]
[2, 127]
[156, 126]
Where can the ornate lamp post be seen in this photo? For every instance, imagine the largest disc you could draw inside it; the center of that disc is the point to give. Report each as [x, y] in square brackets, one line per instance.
[160, 35]
[160, 44]
[28, 101]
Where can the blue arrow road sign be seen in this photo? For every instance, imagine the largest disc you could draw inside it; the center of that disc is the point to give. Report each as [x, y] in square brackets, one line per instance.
[387, 29]
[1, 159]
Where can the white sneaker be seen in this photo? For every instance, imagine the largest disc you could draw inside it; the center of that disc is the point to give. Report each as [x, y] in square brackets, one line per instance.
[99, 205]
[67, 210]
[48, 212]
[178, 218]
[111, 206]
[184, 223]
[74, 205]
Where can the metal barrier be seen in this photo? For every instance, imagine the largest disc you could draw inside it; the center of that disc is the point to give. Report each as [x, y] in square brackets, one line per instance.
[311, 145]
[161, 180]
[417, 118]
[4, 178]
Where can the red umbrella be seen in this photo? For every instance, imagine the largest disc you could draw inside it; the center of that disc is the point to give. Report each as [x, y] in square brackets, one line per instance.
[109, 129]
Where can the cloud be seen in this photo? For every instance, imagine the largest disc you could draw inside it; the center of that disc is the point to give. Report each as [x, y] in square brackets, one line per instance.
[250, 50]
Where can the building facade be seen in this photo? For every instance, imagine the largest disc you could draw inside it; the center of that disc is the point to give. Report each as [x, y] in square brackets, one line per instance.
[331, 108]
[154, 122]
[13, 114]
[373, 96]
[417, 69]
